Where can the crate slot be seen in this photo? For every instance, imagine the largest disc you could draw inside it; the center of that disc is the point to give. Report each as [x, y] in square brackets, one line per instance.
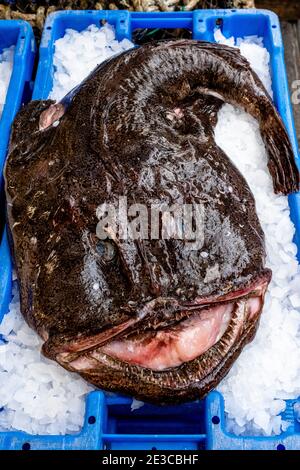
[154, 442]
[186, 419]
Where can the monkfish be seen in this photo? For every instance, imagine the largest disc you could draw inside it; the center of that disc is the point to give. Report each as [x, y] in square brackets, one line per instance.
[143, 310]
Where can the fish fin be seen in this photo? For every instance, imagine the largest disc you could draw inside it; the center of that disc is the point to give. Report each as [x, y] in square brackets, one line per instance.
[26, 122]
[281, 162]
[25, 136]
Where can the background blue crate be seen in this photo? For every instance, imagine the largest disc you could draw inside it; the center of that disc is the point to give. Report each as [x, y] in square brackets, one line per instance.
[18, 34]
[109, 422]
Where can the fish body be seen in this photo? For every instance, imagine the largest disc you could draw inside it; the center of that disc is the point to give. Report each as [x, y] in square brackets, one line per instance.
[161, 318]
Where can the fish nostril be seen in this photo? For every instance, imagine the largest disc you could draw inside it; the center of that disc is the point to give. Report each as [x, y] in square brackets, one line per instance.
[155, 289]
[106, 249]
[100, 248]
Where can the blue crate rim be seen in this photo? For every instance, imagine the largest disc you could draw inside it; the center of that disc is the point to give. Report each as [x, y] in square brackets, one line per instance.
[24, 47]
[21, 75]
[97, 399]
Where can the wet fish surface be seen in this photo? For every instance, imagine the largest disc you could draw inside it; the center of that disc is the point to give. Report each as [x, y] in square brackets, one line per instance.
[148, 317]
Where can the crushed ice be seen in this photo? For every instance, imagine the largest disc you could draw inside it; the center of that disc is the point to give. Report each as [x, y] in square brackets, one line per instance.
[6, 66]
[77, 54]
[268, 370]
[37, 395]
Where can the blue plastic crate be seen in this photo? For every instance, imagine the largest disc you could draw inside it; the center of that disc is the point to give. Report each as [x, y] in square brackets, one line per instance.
[109, 422]
[19, 34]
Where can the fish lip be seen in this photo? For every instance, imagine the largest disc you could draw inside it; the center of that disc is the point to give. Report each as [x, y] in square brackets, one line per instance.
[257, 285]
[259, 281]
[76, 346]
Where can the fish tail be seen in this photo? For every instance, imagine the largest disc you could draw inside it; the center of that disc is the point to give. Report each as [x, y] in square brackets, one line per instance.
[281, 163]
[251, 94]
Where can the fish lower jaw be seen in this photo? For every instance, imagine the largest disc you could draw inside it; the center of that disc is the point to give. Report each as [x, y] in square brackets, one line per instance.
[170, 348]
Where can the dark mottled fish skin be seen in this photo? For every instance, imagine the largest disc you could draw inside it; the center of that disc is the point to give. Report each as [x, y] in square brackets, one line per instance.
[115, 138]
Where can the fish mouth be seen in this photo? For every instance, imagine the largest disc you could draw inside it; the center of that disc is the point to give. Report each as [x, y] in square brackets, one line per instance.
[196, 328]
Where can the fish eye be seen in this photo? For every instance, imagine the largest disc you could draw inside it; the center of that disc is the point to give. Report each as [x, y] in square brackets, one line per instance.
[106, 249]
